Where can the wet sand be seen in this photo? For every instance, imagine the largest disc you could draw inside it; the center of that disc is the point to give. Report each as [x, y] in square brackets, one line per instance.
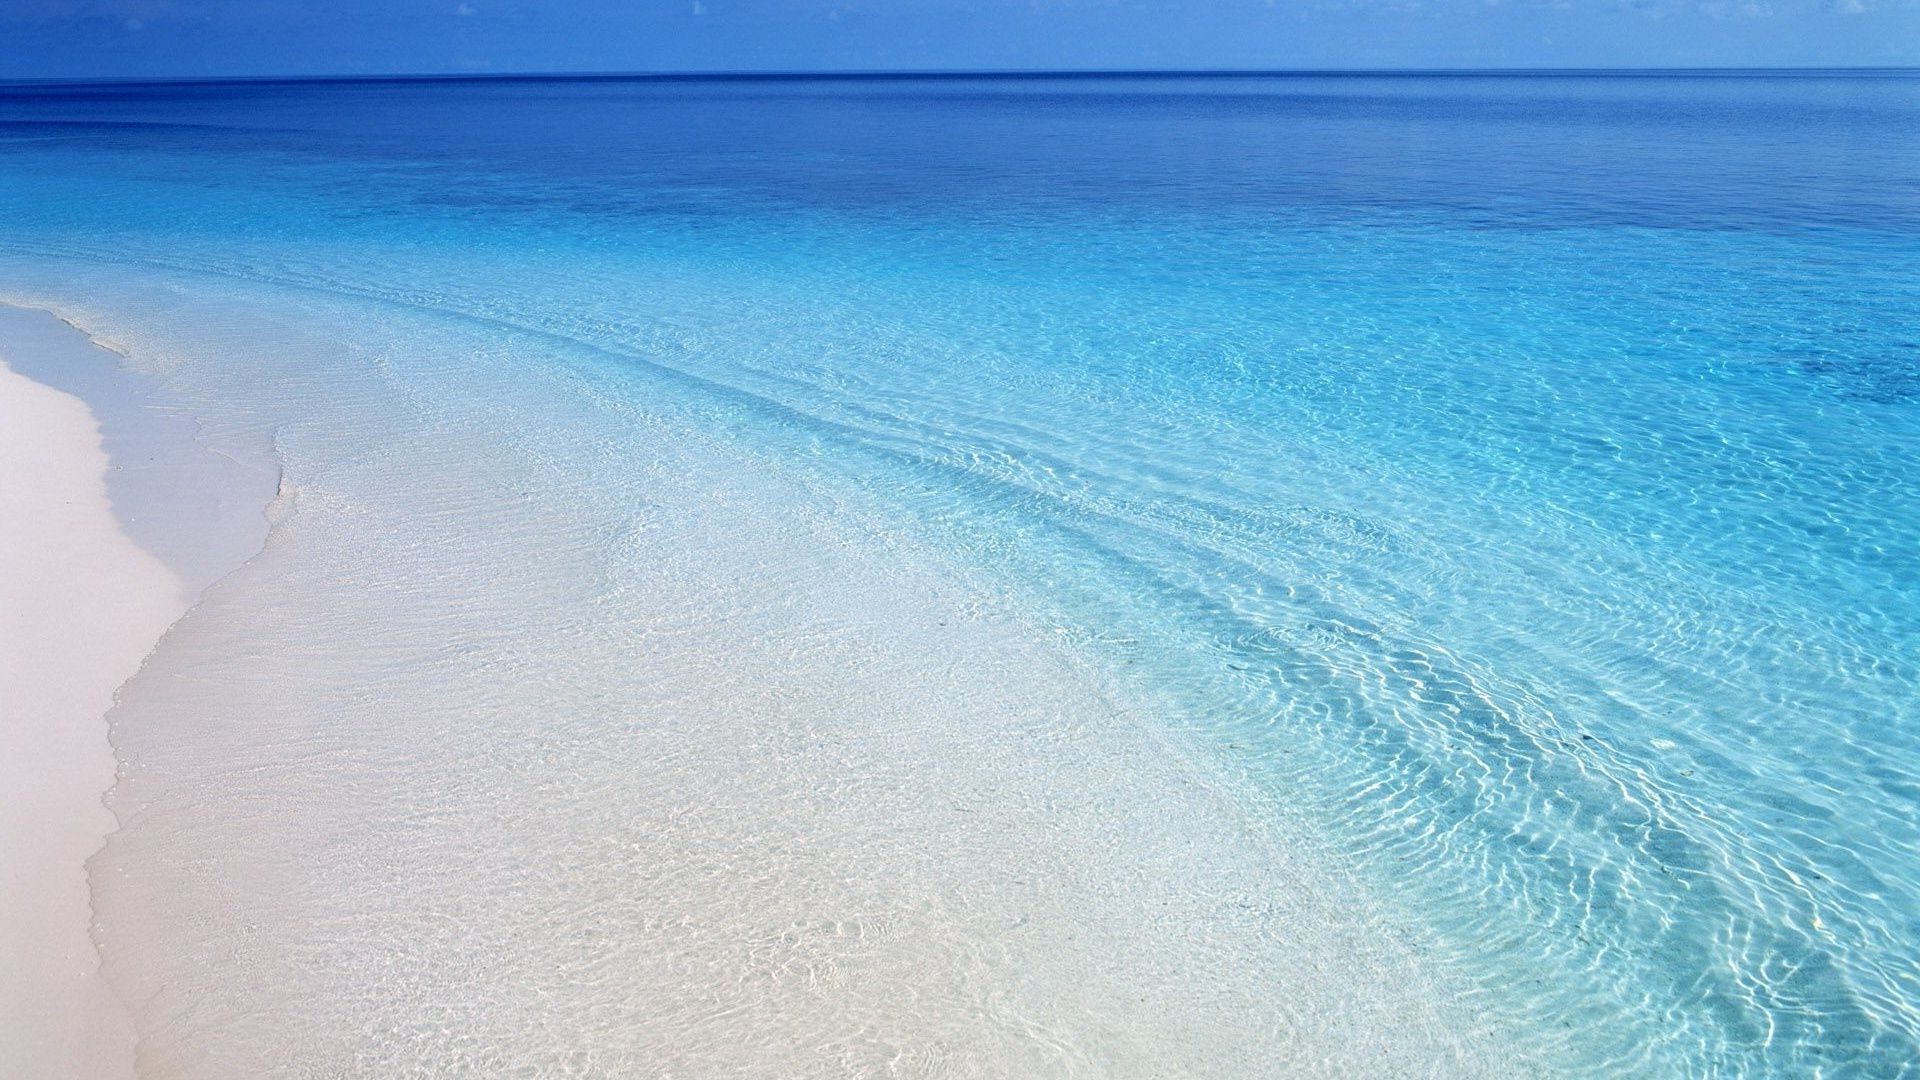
[80, 606]
[116, 517]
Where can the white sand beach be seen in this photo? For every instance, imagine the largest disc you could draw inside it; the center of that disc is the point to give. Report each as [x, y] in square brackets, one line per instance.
[481, 765]
[80, 606]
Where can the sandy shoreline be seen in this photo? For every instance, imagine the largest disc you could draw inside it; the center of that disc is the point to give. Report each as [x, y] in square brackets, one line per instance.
[752, 794]
[116, 520]
[80, 606]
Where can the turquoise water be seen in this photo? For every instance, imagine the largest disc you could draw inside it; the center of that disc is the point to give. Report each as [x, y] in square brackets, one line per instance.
[1515, 478]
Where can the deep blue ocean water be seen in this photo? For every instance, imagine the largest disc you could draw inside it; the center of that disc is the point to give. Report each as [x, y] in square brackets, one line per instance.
[1520, 475]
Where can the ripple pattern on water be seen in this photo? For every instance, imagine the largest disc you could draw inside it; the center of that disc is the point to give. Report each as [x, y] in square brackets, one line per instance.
[1511, 485]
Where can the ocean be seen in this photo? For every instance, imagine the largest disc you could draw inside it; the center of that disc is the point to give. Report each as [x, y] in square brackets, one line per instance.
[980, 575]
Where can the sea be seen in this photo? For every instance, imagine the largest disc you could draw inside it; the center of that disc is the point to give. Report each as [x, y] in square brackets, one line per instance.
[980, 575]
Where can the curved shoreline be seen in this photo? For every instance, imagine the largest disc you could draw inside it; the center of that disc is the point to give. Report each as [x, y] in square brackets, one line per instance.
[783, 700]
[117, 520]
[84, 605]
[193, 506]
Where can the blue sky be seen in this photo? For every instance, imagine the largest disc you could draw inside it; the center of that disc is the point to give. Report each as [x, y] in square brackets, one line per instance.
[87, 38]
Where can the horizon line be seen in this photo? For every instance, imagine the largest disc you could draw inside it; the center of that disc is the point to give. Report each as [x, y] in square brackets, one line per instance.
[931, 74]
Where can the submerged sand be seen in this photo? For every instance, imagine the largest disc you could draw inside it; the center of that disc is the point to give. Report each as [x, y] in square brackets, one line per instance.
[491, 764]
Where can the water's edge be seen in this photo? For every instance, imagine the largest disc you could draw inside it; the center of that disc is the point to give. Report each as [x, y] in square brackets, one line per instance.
[195, 505]
[172, 497]
[1315, 917]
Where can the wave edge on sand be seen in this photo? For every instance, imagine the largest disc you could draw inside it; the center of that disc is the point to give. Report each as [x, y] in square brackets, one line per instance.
[87, 605]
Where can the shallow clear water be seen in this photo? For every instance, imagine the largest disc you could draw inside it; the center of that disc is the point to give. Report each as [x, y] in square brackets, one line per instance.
[1506, 490]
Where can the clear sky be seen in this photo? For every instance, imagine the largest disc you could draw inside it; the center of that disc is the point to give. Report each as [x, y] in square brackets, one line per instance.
[88, 38]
